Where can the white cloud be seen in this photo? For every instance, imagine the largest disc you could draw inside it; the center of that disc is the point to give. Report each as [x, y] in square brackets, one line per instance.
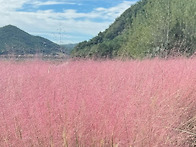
[39, 3]
[114, 12]
[49, 21]
[11, 5]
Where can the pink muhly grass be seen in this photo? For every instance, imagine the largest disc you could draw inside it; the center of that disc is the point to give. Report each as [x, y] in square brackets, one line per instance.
[98, 103]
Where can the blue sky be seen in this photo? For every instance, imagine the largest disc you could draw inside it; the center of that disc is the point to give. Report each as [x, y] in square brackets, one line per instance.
[62, 21]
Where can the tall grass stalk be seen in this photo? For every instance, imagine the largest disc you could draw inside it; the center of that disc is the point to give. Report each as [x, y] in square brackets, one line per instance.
[147, 103]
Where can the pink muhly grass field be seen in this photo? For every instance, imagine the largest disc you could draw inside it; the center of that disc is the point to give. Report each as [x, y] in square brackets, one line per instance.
[148, 103]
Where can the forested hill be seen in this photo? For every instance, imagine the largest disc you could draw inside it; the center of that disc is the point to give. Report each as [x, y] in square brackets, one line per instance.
[15, 41]
[148, 28]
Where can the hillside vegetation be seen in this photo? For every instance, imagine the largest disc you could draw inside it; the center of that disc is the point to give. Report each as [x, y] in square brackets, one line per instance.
[67, 48]
[17, 42]
[148, 28]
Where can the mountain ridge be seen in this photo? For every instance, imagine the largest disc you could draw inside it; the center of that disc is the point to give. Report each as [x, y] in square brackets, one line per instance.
[16, 41]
